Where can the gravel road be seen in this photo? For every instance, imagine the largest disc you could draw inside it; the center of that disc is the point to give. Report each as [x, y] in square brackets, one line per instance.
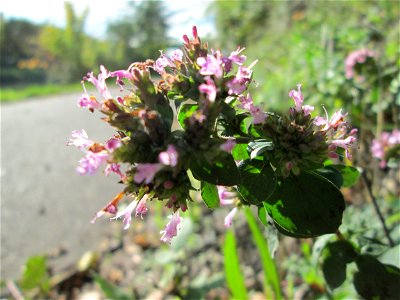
[45, 205]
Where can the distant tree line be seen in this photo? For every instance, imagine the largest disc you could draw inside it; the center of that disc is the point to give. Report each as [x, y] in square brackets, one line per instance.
[33, 53]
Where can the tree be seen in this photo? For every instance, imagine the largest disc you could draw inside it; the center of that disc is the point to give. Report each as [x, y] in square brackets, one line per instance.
[140, 33]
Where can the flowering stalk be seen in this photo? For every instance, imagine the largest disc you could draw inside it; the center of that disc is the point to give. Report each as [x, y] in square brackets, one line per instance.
[153, 155]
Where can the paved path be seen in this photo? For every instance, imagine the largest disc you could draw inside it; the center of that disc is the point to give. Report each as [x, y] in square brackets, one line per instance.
[44, 203]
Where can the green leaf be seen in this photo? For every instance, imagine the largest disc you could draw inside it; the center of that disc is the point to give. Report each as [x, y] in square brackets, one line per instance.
[209, 193]
[332, 174]
[375, 280]
[35, 274]
[271, 277]
[258, 181]
[222, 170]
[305, 206]
[233, 274]
[110, 291]
[262, 215]
[258, 147]
[334, 271]
[337, 255]
[350, 174]
[239, 152]
[186, 111]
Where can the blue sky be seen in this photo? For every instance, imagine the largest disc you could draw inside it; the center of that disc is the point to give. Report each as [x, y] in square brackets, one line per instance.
[188, 13]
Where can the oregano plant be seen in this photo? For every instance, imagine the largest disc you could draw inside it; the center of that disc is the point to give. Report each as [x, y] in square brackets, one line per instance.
[189, 116]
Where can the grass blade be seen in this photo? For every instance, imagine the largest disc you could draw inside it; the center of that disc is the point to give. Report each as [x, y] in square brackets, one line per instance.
[233, 274]
[271, 277]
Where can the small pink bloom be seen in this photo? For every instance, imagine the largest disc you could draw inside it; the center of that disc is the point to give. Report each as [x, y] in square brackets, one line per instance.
[142, 209]
[228, 145]
[80, 139]
[258, 115]
[225, 196]
[236, 86]
[100, 82]
[177, 55]
[307, 109]
[246, 102]
[236, 58]
[172, 228]
[113, 144]
[146, 172]
[210, 65]
[169, 157]
[297, 97]
[86, 101]
[91, 162]
[229, 217]
[162, 62]
[127, 213]
[209, 89]
[114, 168]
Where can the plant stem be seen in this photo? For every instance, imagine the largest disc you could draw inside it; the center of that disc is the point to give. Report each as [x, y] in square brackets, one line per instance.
[377, 210]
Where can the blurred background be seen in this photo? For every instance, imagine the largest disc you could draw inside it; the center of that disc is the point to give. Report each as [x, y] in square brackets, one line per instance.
[47, 47]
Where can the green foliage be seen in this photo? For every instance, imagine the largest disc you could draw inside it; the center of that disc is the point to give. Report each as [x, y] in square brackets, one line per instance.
[35, 275]
[349, 174]
[233, 274]
[109, 290]
[336, 256]
[307, 42]
[271, 276]
[209, 193]
[16, 94]
[307, 205]
[219, 170]
[253, 172]
[139, 33]
[375, 280]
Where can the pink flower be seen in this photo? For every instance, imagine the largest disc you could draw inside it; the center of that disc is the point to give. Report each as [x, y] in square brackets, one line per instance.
[337, 120]
[357, 57]
[225, 196]
[80, 139]
[258, 115]
[100, 82]
[298, 97]
[177, 55]
[383, 144]
[86, 101]
[172, 228]
[146, 172]
[114, 168]
[209, 89]
[228, 145]
[236, 58]
[210, 66]
[229, 217]
[113, 144]
[127, 213]
[246, 102]
[162, 62]
[142, 209]
[169, 157]
[239, 84]
[91, 162]
[110, 208]
[256, 112]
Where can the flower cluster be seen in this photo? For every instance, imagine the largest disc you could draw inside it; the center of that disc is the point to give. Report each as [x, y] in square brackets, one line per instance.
[157, 156]
[386, 147]
[356, 58]
[304, 143]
